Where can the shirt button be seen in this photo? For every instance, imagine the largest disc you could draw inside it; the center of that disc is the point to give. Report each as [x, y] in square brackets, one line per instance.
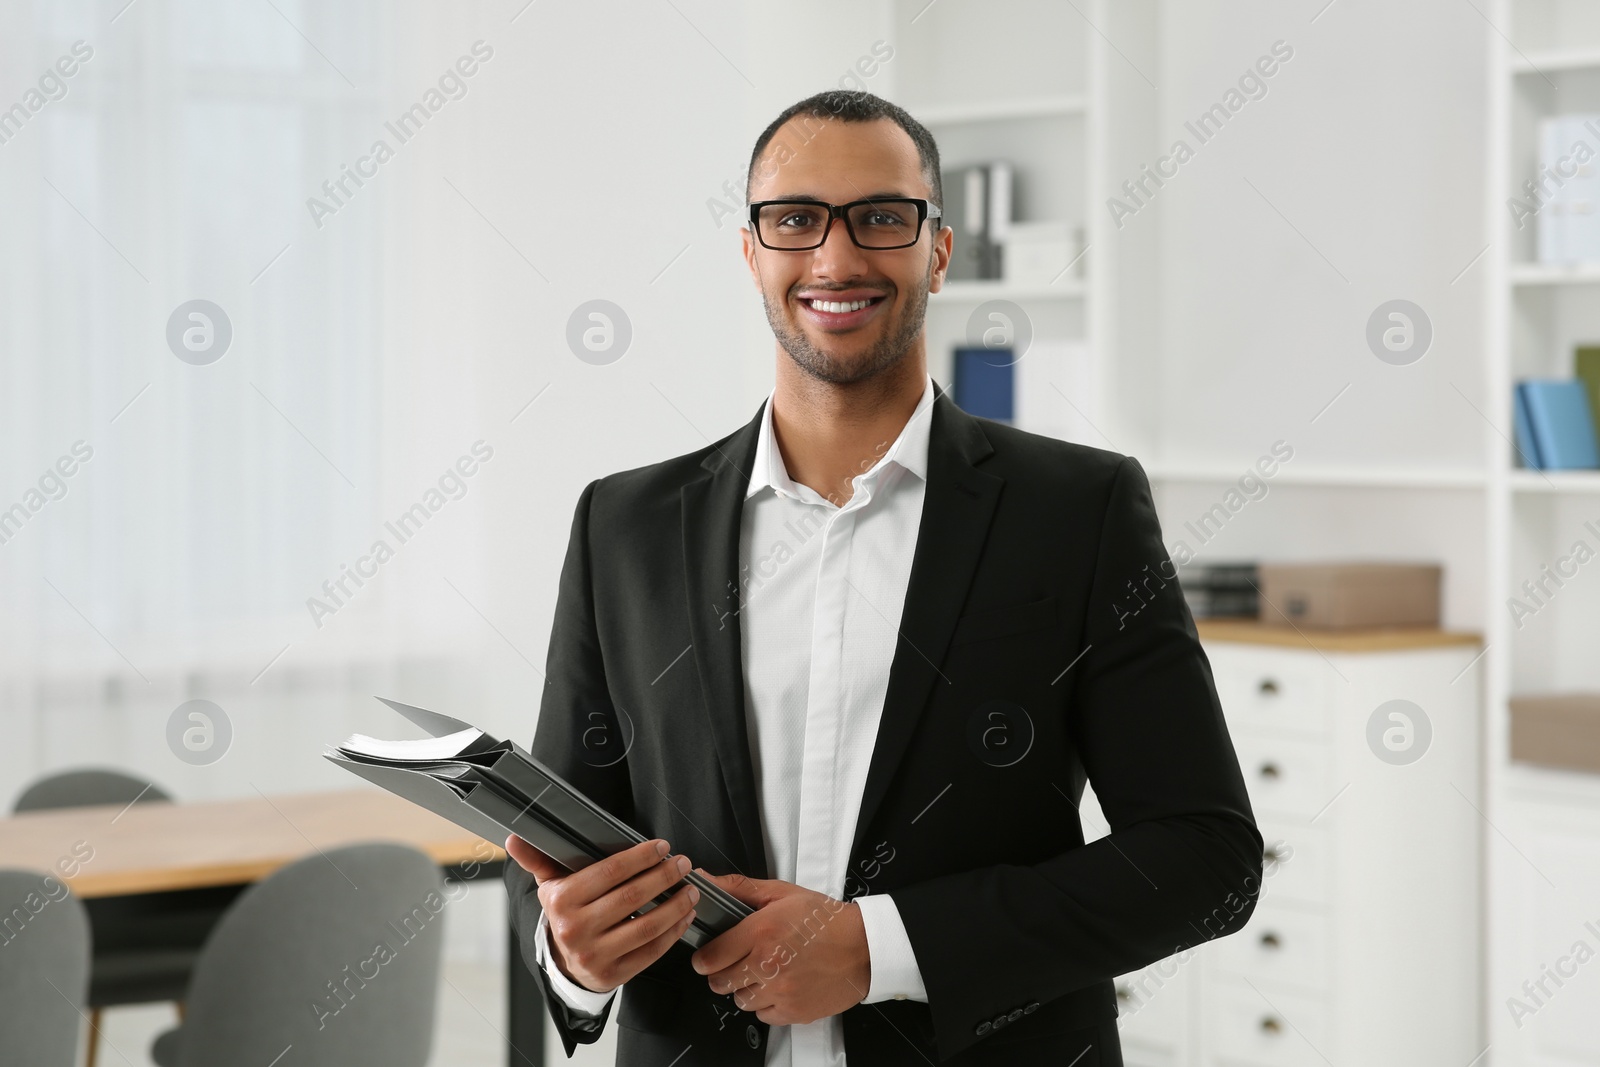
[900, 996]
[752, 1037]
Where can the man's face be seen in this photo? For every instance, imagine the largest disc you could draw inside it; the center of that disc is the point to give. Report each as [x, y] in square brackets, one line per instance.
[839, 162]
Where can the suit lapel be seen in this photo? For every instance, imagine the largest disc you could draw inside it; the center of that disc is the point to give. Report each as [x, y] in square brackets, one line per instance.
[958, 503]
[713, 506]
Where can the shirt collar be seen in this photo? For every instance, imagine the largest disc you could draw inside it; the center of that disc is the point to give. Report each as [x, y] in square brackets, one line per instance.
[909, 451]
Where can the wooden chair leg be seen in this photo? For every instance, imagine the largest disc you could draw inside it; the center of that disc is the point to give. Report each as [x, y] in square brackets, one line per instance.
[181, 1009]
[94, 1037]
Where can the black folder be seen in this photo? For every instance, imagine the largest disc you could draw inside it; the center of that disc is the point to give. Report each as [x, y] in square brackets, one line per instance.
[495, 788]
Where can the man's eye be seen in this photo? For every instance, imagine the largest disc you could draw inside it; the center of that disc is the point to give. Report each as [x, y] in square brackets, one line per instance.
[884, 218]
[798, 220]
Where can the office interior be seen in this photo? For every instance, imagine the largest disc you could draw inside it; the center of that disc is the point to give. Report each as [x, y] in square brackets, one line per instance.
[1328, 269]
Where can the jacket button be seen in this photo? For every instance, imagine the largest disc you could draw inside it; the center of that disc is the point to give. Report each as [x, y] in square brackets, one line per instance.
[982, 1028]
[1001, 1020]
[1016, 1013]
[1032, 1007]
[752, 1037]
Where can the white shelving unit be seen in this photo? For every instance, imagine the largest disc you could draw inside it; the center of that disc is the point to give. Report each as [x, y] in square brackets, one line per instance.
[1070, 116]
[1542, 832]
[1085, 121]
[1068, 288]
[1090, 120]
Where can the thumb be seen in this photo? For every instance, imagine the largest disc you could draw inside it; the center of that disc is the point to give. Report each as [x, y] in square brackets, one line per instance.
[756, 892]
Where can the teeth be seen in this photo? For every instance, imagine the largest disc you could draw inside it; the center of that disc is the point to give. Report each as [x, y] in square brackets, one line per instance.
[837, 308]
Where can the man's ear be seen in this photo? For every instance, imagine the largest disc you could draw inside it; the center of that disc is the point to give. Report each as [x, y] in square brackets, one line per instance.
[747, 242]
[943, 244]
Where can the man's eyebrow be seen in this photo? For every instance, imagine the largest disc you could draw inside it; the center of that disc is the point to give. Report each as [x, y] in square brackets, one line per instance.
[812, 198]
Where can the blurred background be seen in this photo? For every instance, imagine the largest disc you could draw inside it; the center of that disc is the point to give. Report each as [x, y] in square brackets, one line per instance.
[1349, 322]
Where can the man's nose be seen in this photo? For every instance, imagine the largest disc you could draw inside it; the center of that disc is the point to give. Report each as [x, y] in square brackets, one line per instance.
[838, 257]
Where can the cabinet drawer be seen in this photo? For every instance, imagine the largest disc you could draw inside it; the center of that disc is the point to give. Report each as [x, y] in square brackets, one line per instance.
[1285, 776]
[1272, 1027]
[1280, 946]
[1297, 865]
[1152, 1004]
[1271, 689]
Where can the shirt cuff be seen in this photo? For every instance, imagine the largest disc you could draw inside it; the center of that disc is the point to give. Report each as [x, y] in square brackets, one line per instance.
[573, 995]
[895, 974]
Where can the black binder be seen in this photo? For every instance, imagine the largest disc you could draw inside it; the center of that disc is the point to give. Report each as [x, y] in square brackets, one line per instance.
[495, 788]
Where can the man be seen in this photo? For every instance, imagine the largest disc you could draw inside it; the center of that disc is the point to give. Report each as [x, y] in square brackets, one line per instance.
[856, 660]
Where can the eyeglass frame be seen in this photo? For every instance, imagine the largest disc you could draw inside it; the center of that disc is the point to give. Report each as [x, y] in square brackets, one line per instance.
[927, 211]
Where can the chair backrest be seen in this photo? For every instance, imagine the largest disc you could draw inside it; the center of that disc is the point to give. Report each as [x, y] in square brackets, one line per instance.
[336, 955]
[44, 969]
[84, 787]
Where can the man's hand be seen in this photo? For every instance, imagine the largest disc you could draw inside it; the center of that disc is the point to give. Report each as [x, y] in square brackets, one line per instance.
[593, 940]
[801, 957]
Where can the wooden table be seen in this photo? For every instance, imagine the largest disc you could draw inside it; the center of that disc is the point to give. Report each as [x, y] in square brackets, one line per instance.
[166, 854]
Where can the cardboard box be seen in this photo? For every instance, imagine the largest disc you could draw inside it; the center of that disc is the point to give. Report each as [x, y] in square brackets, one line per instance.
[1344, 596]
[1557, 730]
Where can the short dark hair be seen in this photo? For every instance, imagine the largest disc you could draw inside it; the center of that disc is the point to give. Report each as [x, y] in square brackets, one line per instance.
[854, 105]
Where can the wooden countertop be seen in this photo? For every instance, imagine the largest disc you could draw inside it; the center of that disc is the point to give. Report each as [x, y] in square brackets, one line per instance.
[157, 846]
[1252, 632]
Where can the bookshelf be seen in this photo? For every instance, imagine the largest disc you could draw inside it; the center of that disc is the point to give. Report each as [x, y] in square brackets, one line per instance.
[1073, 117]
[1542, 832]
[1455, 496]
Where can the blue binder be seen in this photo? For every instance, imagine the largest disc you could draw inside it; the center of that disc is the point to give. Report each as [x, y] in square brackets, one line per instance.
[985, 382]
[1555, 417]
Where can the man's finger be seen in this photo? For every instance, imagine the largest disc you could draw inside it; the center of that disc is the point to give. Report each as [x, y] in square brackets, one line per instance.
[637, 892]
[530, 859]
[755, 892]
[601, 877]
[645, 955]
[724, 950]
[732, 979]
[755, 997]
[644, 939]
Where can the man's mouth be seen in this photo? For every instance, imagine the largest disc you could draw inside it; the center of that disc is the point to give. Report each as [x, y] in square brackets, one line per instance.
[843, 310]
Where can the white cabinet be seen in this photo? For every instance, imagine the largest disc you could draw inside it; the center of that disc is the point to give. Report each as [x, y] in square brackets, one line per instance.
[1544, 993]
[1364, 945]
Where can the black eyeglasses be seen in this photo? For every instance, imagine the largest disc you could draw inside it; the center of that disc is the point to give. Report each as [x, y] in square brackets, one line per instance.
[876, 225]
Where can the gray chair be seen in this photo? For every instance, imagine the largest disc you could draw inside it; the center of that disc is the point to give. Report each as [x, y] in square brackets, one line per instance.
[82, 788]
[335, 956]
[44, 970]
[143, 949]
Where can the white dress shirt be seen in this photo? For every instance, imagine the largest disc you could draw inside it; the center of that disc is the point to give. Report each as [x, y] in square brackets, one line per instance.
[823, 588]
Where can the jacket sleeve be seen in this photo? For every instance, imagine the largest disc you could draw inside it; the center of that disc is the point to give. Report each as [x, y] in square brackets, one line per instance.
[578, 735]
[1182, 863]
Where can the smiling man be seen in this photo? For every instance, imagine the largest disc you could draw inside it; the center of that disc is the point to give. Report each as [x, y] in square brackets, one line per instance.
[856, 660]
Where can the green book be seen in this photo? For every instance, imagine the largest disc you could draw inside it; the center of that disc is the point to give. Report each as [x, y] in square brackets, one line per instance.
[1586, 359]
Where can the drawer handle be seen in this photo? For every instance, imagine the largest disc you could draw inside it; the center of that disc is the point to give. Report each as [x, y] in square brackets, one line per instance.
[1270, 940]
[1270, 770]
[1268, 687]
[1271, 1024]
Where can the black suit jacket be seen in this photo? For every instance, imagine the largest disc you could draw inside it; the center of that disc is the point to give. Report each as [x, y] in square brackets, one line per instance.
[1044, 640]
